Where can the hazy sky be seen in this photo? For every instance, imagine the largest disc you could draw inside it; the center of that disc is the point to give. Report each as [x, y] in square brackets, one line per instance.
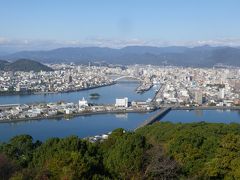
[118, 22]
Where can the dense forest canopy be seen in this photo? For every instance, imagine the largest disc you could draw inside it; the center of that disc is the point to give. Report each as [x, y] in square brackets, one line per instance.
[160, 151]
[25, 65]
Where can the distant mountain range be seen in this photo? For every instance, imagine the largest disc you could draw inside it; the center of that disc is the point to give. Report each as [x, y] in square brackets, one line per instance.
[23, 65]
[203, 56]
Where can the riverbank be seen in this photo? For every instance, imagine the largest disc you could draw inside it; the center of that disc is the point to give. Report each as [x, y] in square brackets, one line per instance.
[207, 108]
[16, 93]
[69, 116]
[123, 111]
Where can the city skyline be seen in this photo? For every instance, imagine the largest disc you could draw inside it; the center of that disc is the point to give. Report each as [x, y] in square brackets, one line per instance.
[127, 89]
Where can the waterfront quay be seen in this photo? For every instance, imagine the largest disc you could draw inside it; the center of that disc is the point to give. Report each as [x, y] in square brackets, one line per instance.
[144, 86]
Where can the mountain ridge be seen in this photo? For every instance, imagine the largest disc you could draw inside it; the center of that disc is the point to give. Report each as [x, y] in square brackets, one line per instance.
[203, 56]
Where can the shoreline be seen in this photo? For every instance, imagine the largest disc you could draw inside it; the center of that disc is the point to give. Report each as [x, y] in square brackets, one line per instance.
[207, 108]
[66, 116]
[75, 115]
[47, 93]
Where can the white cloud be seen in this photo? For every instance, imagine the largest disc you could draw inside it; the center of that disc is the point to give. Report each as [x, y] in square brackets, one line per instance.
[3, 40]
[221, 42]
[28, 44]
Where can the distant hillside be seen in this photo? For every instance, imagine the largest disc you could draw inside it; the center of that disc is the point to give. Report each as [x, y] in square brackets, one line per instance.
[23, 65]
[3, 64]
[203, 56]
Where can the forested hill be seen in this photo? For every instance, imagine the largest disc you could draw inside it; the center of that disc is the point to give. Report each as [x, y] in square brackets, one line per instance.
[3, 64]
[159, 151]
[23, 65]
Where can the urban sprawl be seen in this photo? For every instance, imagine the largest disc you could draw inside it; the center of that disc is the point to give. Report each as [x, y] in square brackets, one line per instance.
[175, 86]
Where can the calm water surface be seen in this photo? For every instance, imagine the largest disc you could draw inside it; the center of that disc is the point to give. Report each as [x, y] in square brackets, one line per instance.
[82, 126]
[213, 116]
[108, 94]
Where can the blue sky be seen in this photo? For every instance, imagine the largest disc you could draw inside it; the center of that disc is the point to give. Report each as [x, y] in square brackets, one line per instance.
[119, 22]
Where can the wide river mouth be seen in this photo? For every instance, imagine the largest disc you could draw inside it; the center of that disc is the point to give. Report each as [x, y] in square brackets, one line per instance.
[84, 126]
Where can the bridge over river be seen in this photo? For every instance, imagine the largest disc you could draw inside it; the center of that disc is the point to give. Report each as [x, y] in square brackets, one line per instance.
[164, 110]
[128, 77]
[161, 113]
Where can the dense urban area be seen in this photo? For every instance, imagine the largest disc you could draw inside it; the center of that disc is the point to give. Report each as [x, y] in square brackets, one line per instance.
[120, 90]
[178, 86]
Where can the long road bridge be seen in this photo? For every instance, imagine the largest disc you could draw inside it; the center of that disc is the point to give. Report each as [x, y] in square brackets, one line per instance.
[161, 113]
[164, 110]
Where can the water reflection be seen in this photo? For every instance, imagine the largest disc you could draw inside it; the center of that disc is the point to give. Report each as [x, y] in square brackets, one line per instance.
[199, 113]
[121, 115]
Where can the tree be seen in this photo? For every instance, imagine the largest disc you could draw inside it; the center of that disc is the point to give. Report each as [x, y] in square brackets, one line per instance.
[226, 164]
[125, 158]
[20, 149]
[7, 167]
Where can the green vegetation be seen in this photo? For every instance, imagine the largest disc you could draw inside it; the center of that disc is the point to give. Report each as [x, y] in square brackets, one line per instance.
[24, 65]
[94, 95]
[3, 64]
[203, 150]
[159, 151]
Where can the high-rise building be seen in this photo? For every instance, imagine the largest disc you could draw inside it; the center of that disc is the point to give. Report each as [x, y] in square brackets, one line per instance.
[198, 97]
[82, 103]
[68, 78]
[221, 93]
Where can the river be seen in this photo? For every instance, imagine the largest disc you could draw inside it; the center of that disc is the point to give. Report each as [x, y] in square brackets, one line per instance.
[108, 94]
[84, 126]
[81, 126]
[212, 116]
